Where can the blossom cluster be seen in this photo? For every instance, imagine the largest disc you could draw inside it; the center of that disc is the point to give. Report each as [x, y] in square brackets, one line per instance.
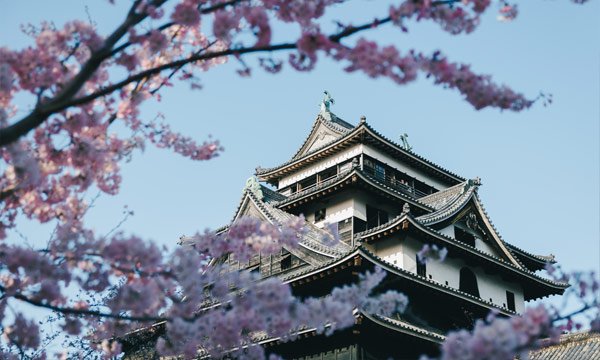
[432, 252]
[497, 338]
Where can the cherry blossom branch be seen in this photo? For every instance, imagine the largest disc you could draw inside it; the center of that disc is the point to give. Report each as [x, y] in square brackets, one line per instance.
[13, 132]
[64, 100]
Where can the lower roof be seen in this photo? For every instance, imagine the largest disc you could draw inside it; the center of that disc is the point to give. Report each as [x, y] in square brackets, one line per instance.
[582, 345]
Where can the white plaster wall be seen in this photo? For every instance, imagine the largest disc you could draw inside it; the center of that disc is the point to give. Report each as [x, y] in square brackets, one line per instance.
[483, 246]
[390, 250]
[491, 287]
[361, 199]
[337, 212]
[418, 174]
[448, 231]
[320, 166]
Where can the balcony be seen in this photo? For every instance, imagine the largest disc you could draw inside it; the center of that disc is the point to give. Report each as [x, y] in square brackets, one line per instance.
[379, 174]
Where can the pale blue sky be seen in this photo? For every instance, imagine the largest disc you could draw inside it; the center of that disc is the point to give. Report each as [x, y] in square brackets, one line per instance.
[540, 168]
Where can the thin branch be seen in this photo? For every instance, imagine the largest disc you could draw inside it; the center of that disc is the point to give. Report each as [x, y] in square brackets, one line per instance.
[67, 310]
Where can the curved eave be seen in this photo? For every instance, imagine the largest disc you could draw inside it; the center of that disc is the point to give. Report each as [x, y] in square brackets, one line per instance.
[391, 324]
[406, 328]
[363, 133]
[360, 253]
[543, 287]
[531, 261]
[353, 176]
[449, 210]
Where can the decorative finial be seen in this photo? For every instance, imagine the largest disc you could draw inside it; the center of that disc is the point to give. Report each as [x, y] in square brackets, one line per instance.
[406, 208]
[253, 186]
[404, 139]
[477, 181]
[326, 102]
[363, 119]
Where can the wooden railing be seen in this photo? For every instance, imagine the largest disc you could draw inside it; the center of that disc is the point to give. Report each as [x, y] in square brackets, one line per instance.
[393, 182]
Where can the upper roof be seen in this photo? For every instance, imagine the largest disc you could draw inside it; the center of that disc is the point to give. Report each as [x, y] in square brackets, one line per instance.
[326, 128]
[336, 137]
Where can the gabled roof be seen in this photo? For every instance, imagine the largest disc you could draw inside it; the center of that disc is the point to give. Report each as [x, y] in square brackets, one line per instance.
[453, 203]
[326, 129]
[312, 248]
[362, 133]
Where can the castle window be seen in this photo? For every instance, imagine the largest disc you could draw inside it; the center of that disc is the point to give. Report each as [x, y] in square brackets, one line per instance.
[510, 300]
[286, 262]
[379, 171]
[327, 174]
[375, 217]
[320, 214]
[307, 183]
[468, 282]
[421, 267]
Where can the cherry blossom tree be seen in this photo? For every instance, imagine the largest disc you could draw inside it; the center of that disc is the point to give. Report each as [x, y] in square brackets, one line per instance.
[81, 83]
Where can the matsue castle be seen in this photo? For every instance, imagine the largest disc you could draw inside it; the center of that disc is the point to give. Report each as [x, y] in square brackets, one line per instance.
[387, 202]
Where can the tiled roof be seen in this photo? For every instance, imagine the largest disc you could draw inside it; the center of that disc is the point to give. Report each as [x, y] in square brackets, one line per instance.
[544, 258]
[502, 261]
[452, 200]
[271, 196]
[314, 236]
[577, 346]
[443, 197]
[435, 336]
[448, 202]
[357, 130]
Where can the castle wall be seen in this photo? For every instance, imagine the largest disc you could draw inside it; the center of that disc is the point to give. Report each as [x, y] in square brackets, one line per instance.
[403, 253]
[320, 166]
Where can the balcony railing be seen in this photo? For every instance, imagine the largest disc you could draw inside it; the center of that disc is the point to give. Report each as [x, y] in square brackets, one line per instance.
[393, 182]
